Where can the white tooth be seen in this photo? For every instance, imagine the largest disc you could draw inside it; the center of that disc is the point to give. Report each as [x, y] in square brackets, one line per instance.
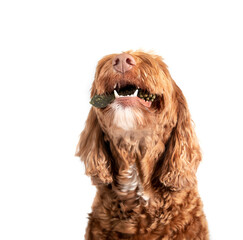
[116, 94]
[135, 93]
[115, 85]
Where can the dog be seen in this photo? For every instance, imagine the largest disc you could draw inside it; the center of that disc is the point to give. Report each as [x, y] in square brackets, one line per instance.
[140, 149]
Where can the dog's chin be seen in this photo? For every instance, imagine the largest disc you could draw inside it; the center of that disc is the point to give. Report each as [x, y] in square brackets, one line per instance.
[127, 115]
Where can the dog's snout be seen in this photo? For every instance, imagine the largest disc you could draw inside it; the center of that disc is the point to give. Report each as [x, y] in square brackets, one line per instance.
[123, 62]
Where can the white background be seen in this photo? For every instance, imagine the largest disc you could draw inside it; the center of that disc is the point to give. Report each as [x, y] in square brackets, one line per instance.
[48, 53]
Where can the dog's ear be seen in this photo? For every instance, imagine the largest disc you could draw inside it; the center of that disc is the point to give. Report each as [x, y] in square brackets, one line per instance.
[93, 150]
[179, 162]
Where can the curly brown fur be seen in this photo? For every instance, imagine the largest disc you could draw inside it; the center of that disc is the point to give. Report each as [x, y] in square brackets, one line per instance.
[145, 170]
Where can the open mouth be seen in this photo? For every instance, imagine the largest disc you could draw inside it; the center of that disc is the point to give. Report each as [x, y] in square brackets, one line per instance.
[130, 95]
[126, 95]
[133, 91]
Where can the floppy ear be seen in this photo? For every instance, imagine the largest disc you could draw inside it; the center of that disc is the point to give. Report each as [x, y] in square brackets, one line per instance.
[179, 162]
[93, 150]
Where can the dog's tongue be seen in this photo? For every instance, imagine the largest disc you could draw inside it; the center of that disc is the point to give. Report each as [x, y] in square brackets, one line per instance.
[132, 102]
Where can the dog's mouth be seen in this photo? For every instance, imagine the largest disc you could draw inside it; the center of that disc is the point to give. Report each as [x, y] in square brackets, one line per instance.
[131, 95]
[126, 95]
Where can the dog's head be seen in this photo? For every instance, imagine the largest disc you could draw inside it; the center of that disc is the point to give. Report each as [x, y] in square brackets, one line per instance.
[139, 113]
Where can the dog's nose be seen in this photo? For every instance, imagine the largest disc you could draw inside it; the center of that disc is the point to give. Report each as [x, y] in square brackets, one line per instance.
[123, 62]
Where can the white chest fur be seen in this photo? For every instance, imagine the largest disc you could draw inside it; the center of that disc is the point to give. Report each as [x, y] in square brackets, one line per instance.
[129, 180]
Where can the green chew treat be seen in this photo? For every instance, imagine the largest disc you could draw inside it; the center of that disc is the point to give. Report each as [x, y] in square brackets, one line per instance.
[101, 101]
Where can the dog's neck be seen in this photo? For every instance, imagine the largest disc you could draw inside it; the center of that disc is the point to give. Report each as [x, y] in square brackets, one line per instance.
[131, 152]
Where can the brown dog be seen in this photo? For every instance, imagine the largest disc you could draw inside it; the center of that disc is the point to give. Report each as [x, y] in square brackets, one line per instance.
[140, 149]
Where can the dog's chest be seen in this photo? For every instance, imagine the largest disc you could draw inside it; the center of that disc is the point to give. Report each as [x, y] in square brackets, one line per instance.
[129, 181]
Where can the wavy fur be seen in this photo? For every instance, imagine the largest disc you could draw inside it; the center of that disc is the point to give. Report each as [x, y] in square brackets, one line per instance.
[145, 174]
